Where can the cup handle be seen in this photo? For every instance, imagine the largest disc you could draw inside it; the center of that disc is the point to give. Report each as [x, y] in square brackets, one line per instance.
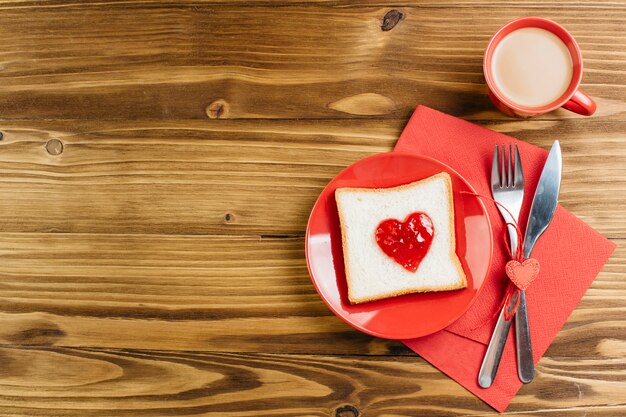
[581, 103]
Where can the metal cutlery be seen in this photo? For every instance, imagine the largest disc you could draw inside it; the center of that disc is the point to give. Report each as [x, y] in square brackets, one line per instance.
[541, 213]
[507, 188]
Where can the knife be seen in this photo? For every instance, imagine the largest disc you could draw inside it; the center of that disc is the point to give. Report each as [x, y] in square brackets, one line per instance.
[541, 213]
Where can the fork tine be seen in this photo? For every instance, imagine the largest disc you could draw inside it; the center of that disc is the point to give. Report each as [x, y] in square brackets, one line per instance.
[501, 167]
[495, 169]
[519, 173]
[509, 171]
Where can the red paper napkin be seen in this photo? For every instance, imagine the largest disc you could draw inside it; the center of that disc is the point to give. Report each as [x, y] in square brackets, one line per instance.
[570, 252]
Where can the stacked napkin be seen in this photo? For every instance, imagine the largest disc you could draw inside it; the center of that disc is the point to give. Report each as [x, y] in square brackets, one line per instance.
[571, 254]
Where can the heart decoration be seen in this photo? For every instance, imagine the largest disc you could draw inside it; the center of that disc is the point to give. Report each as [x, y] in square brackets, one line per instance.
[406, 242]
[524, 273]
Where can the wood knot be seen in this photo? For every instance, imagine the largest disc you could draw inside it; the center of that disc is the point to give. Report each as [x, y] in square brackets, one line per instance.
[1, 135]
[347, 411]
[47, 335]
[54, 147]
[218, 109]
[229, 218]
[366, 104]
[391, 19]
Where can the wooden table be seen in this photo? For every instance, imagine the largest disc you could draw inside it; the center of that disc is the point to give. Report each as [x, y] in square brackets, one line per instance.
[158, 164]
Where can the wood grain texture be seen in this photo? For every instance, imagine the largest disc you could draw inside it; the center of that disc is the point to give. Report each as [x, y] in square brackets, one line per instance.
[301, 61]
[437, 4]
[213, 293]
[102, 382]
[158, 162]
[245, 177]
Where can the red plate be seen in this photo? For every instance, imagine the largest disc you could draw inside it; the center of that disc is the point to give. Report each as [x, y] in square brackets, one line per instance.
[412, 315]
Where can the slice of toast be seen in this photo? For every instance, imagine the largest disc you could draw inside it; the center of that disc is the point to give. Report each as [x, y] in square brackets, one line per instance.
[372, 274]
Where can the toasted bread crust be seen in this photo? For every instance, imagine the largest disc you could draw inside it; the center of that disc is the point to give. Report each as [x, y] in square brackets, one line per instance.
[453, 255]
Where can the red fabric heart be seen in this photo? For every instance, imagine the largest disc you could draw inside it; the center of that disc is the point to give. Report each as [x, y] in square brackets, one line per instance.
[406, 242]
[522, 274]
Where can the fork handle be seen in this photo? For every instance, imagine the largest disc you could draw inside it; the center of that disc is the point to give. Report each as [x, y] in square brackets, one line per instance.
[491, 361]
[525, 363]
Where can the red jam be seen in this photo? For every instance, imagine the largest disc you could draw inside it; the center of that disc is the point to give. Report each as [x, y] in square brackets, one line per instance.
[406, 242]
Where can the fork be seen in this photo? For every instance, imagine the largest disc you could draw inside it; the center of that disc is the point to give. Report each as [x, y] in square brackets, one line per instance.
[507, 188]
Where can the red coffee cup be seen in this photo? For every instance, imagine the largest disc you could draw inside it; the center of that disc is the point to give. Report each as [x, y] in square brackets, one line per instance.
[573, 99]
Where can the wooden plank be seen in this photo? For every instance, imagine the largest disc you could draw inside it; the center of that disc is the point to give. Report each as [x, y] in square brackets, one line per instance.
[101, 382]
[609, 411]
[192, 60]
[551, 4]
[217, 293]
[244, 177]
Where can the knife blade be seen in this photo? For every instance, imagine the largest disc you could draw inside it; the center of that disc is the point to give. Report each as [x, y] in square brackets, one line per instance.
[545, 200]
[541, 212]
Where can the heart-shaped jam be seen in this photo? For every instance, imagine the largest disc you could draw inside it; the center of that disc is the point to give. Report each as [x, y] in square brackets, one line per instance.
[522, 274]
[406, 242]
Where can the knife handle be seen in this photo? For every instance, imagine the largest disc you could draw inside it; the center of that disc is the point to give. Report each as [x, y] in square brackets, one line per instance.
[525, 363]
[491, 362]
